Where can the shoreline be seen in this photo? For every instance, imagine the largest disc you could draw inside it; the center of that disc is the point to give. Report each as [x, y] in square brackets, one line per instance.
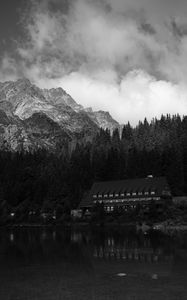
[164, 227]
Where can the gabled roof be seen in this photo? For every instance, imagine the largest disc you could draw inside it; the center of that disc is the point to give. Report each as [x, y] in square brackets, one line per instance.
[149, 184]
[157, 184]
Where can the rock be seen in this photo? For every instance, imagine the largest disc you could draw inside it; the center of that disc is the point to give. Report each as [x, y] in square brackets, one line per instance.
[32, 118]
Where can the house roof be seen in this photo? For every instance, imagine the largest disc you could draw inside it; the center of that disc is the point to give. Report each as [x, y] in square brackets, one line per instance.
[155, 184]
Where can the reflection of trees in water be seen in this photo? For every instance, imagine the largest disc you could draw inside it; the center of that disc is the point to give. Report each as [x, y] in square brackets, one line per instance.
[39, 245]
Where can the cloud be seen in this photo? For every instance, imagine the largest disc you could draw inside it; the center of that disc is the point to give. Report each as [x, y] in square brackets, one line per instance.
[8, 68]
[125, 56]
[139, 95]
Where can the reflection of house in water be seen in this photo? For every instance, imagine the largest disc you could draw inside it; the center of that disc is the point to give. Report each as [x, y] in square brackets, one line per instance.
[127, 252]
[76, 237]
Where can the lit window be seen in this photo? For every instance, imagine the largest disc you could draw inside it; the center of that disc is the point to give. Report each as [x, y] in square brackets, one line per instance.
[112, 208]
[122, 194]
[146, 193]
[100, 196]
[128, 194]
[111, 195]
[94, 196]
[134, 193]
[105, 195]
[152, 193]
[139, 193]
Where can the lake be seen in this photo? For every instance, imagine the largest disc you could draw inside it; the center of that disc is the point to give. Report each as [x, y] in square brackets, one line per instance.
[115, 263]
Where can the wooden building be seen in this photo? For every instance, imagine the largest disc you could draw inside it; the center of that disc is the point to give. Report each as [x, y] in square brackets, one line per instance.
[125, 194]
[180, 201]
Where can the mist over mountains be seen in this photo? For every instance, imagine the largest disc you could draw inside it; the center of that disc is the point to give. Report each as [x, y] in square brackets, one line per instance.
[32, 118]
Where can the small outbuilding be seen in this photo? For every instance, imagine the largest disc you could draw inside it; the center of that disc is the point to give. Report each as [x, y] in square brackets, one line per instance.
[180, 201]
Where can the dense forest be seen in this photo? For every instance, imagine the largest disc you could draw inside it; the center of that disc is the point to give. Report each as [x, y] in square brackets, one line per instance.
[47, 182]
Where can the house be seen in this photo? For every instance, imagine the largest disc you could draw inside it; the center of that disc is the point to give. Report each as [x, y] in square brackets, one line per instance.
[125, 194]
[180, 201]
[76, 213]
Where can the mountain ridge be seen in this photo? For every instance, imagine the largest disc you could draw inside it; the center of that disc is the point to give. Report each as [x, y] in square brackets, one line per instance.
[23, 105]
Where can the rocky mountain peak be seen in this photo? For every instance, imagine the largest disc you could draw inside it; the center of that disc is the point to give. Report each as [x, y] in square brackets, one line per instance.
[23, 82]
[31, 117]
[59, 96]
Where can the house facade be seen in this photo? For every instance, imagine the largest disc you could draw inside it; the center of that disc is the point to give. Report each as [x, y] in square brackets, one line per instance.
[127, 194]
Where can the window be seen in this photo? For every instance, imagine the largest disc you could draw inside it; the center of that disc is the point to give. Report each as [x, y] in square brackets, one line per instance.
[128, 194]
[116, 195]
[105, 195]
[100, 196]
[108, 208]
[140, 193]
[146, 193]
[152, 193]
[122, 194]
[134, 193]
[94, 196]
[110, 195]
[112, 208]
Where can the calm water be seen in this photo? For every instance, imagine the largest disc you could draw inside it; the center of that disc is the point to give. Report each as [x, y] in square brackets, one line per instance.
[46, 263]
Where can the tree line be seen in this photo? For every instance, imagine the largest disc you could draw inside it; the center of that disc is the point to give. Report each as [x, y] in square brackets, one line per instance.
[31, 183]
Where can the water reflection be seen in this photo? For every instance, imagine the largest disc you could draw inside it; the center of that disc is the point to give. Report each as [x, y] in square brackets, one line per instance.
[91, 262]
[11, 237]
[131, 250]
[126, 246]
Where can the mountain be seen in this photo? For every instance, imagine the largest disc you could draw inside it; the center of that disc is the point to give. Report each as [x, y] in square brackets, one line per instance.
[59, 97]
[103, 119]
[32, 118]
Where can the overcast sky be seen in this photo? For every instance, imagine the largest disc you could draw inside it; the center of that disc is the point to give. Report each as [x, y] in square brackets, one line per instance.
[128, 57]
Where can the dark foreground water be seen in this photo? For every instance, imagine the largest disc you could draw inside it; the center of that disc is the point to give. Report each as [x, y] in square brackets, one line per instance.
[46, 263]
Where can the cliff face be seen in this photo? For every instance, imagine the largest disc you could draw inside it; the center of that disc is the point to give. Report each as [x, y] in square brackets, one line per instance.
[32, 118]
[103, 119]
